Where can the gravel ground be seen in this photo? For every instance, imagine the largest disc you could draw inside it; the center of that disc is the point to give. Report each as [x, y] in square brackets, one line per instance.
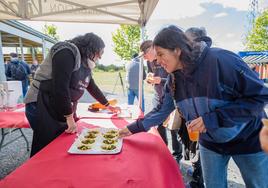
[15, 154]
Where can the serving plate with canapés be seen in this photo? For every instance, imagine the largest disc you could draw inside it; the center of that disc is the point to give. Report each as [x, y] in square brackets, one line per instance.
[97, 141]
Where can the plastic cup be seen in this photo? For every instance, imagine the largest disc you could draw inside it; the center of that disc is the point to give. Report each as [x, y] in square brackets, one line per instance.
[193, 135]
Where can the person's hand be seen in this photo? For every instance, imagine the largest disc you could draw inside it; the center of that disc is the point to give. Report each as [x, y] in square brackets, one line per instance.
[153, 80]
[156, 80]
[71, 124]
[149, 78]
[264, 138]
[114, 109]
[197, 125]
[124, 132]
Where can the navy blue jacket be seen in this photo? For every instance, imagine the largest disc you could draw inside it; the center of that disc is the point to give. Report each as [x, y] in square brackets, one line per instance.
[225, 92]
[8, 68]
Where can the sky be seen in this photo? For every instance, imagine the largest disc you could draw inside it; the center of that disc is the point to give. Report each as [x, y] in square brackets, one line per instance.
[225, 22]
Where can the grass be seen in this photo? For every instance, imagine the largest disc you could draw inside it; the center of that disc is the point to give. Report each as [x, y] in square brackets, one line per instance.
[107, 82]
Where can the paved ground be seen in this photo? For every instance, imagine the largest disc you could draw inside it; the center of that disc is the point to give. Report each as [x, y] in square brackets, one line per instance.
[15, 154]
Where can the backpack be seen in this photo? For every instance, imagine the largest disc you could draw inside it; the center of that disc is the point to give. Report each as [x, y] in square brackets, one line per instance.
[18, 71]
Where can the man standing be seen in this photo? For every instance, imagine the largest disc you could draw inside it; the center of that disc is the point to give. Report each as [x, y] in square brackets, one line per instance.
[132, 80]
[34, 67]
[157, 76]
[18, 70]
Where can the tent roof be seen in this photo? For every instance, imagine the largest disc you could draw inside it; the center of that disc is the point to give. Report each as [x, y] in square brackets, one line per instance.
[254, 57]
[91, 11]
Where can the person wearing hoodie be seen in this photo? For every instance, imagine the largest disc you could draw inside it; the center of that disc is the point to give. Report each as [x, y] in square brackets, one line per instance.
[18, 70]
[197, 35]
[58, 84]
[221, 98]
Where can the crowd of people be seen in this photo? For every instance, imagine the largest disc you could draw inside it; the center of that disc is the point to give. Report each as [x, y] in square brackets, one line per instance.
[214, 91]
[220, 97]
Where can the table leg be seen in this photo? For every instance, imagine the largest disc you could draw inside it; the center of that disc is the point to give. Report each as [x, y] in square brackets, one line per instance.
[27, 143]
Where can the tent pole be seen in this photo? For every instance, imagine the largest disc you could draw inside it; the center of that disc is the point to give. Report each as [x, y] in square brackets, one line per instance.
[141, 72]
[44, 49]
[21, 49]
[2, 66]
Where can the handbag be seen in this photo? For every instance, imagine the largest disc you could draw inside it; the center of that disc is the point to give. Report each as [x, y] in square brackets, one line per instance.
[173, 121]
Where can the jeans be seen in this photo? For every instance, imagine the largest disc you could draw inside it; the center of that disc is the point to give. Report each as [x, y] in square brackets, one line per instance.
[131, 94]
[25, 85]
[253, 168]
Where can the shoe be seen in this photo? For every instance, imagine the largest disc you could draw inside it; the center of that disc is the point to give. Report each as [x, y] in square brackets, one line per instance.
[190, 172]
[194, 184]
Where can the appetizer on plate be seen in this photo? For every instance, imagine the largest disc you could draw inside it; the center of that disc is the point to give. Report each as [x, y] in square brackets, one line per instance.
[109, 136]
[90, 135]
[83, 147]
[93, 132]
[109, 141]
[112, 132]
[108, 147]
[88, 141]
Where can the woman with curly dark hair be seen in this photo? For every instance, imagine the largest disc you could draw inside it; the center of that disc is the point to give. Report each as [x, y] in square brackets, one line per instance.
[58, 84]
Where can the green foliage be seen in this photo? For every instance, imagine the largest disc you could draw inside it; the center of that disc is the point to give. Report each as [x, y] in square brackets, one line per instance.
[257, 39]
[51, 30]
[126, 41]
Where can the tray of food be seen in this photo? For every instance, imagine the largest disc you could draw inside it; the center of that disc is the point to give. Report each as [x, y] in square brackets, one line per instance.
[97, 141]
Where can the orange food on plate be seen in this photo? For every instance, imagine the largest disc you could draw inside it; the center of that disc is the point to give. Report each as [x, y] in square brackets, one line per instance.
[98, 106]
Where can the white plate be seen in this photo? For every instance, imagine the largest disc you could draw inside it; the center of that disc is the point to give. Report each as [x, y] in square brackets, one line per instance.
[96, 146]
[124, 114]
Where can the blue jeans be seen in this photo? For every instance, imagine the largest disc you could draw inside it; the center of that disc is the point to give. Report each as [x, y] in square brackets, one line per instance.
[131, 94]
[253, 168]
[25, 85]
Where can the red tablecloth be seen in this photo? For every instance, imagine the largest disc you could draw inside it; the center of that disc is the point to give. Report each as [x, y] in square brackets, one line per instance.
[144, 162]
[13, 118]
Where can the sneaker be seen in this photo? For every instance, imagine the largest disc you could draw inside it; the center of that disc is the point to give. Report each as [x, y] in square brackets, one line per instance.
[190, 172]
[194, 184]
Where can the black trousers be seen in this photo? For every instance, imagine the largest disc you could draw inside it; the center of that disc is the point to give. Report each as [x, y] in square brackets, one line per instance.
[41, 117]
[176, 143]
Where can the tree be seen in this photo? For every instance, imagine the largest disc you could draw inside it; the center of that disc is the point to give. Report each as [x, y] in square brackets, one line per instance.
[51, 30]
[257, 39]
[126, 41]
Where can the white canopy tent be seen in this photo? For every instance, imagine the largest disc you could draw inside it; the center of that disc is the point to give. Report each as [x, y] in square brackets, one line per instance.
[86, 11]
[136, 12]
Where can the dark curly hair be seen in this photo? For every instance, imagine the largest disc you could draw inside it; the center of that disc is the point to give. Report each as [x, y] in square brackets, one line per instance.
[89, 45]
[171, 38]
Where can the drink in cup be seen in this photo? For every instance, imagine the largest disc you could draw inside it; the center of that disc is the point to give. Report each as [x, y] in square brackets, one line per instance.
[193, 135]
[150, 77]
